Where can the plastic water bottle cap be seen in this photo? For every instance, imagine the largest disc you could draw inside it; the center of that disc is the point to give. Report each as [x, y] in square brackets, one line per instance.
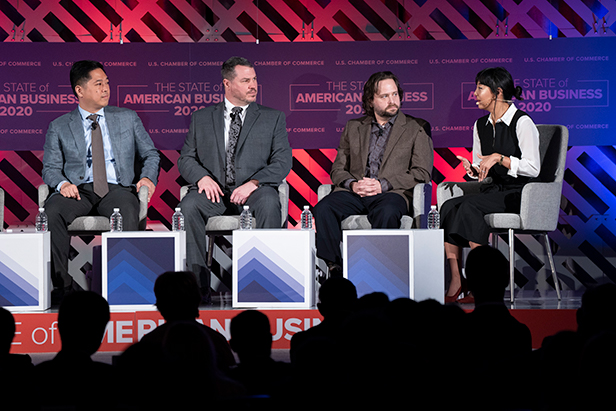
[177, 209]
[116, 209]
[246, 207]
[41, 209]
[306, 207]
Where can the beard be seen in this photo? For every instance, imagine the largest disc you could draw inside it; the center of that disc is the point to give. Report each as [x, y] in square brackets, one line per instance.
[389, 112]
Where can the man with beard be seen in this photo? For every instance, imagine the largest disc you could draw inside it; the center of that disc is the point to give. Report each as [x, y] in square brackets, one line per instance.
[381, 157]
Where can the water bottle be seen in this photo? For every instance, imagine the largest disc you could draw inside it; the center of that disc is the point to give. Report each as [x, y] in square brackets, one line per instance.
[115, 221]
[178, 220]
[41, 222]
[246, 219]
[306, 218]
[434, 219]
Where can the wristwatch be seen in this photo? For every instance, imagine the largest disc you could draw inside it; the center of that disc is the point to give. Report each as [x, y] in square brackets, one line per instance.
[501, 160]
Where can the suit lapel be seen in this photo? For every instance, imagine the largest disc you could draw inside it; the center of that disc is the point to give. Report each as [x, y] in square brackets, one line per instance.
[252, 113]
[76, 126]
[218, 121]
[113, 127]
[364, 141]
[396, 133]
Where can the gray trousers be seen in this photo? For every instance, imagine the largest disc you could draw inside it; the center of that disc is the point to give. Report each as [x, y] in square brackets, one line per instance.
[197, 209]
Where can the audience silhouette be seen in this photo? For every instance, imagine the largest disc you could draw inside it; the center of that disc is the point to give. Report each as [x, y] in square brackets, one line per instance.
[366, 353]
[177, 299]
[72, 378]
[251, 339]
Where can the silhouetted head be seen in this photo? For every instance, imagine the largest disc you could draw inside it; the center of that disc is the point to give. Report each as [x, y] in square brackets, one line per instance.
[7, 330]
[82, 319]
[337, 294]
[177, 295]
[251, 336]
[487, 273]
[598, 310]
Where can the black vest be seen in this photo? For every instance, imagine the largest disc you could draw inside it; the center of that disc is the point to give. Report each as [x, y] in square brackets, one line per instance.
[503, 141]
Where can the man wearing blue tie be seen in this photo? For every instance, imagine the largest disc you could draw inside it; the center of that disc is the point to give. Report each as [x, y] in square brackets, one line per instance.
[89, 164]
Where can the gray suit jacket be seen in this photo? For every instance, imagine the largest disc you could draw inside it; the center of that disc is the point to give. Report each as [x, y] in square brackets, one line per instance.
[65, 148]
[407, 159]
[263, 152]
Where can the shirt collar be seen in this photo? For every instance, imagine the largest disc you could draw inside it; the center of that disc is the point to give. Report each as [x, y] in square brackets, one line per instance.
[507, 117]
[229, 107]
[84, 114]
[391, 121]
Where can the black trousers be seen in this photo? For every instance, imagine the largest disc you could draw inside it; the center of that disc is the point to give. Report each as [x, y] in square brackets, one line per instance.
[61, 211]
[384, 211]
[462, 218]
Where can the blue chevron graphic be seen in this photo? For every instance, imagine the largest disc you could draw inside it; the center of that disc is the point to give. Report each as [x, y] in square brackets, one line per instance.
[15, 290]
[379, 263]
[9, 298]
[394, 273]
[126, 295]
[273, 259]
[133, 266]
[271, 266]
[127, 263]
[368, 280]
[153, 253]
[254, 271]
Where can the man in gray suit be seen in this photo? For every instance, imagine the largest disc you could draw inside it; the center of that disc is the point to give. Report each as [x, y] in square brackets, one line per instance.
[381, 157]
[224, 178]
[71, 158]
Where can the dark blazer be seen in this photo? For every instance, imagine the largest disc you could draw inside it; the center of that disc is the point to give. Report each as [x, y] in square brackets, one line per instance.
[263, 152]
[65, 148]
[407, 159]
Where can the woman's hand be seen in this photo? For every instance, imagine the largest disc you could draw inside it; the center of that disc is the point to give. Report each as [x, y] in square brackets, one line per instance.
[486, 164]
[470, 169]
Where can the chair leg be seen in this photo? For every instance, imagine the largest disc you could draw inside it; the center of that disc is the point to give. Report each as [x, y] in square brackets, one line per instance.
[552, 266]
[495, 240]
[511, 264]
[210, 250]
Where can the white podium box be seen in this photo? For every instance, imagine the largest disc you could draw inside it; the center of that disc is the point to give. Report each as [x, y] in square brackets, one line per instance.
[399, 263]
[273, 268]
[25, 265]
[131, 262]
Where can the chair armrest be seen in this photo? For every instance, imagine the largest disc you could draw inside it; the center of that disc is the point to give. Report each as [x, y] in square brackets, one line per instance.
[283, 195]
[43, 193]
[422, 199]
[323, 190]
[1, 209]
[143, 203]
[448, 190]
[540, 206]
[183, 192]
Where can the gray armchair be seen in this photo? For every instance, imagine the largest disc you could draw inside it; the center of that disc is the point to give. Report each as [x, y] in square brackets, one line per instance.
[93, 224]
[540, 205]
[422, 197]
[225, 224]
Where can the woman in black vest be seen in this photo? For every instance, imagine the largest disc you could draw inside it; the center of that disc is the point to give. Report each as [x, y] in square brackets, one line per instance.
[505, 158]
